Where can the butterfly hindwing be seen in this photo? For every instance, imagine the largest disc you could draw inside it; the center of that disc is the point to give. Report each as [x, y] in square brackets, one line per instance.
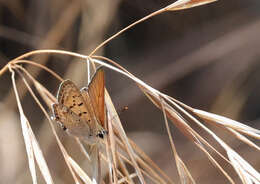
[73, 123]
[68, 118]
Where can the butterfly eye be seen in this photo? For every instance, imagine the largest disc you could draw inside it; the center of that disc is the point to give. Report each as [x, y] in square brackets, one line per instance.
[100, 135]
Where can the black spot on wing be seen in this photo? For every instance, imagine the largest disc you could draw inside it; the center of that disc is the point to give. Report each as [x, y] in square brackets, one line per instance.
[80, 104]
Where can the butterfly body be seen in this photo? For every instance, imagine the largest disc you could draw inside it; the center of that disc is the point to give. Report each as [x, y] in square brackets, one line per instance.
[81, 112]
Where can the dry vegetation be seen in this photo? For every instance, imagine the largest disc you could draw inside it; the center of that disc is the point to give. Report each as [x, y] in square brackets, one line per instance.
[54, 157]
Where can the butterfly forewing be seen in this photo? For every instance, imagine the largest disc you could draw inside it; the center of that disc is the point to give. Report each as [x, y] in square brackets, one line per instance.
[70, 96]
[96, 90]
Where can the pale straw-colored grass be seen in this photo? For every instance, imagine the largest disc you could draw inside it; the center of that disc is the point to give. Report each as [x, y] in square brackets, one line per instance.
[125, 161]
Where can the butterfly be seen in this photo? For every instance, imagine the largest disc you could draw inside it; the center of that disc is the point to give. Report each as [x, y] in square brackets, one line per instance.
[82, 112]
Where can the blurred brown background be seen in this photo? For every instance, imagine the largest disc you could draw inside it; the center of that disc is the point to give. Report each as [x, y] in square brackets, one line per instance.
[206, 57]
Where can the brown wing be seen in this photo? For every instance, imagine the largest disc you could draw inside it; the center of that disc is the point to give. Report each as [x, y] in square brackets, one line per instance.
[95, 93]
[70, 96]
[67, 117]
[71, 122]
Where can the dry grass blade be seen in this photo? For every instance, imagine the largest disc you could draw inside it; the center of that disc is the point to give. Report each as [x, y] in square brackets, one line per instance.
[221, 142]
[149, 172]
[215, 163]
[152, 167]
[185, 176]
[146, 166]
[226, 122]
[125, 176]
[111, 110]
[63, 150]
[232, 154]
[128, 177]
[179, 114]
[109, 162]
[32, 147]
[146, 171]
[49, 99]
[39, 66]
[95, 164]
[119, 148]
[176, 118]
[185, 4]
[53, 37]
[181, 124]
[229, 124]
[245, 171]
[173, 115]
[184, 173]
[178, 5]
[111, 142]
[79, 171]
[29, 147]
[39, 157]
[244, 139]
[45, 94]
[179, 121]
[83, 149]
